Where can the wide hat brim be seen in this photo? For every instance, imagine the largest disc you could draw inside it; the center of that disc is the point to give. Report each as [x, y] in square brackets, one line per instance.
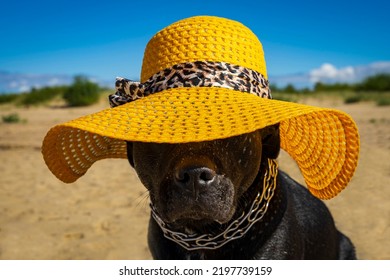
[323, 142]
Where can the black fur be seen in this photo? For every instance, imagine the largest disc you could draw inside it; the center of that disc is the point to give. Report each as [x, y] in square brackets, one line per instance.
[200, 187]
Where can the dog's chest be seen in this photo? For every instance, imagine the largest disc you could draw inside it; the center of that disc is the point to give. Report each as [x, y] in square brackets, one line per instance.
[195, 256]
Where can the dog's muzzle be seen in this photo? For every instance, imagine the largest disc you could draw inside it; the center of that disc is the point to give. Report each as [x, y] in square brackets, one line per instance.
[236, 229]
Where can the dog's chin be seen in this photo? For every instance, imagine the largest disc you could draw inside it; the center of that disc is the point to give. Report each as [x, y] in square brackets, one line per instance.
[198, 214]
[197, 223]
[200, 217]
[197, 218]
[191, 226]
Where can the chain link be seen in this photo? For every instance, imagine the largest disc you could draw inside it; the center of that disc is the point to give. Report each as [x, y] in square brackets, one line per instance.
[237, 228]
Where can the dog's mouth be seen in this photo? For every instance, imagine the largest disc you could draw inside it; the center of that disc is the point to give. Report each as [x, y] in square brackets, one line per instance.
[196, 215]
[213, 203]
[198, 218]
[190, 222]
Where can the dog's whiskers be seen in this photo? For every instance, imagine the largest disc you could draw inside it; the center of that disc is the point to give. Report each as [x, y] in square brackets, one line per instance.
[143, 199]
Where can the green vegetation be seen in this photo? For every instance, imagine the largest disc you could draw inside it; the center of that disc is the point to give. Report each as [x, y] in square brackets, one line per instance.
[12, 118]
[380, 83]
[352, 99]
[42, 95]
[289, 97]
[8, 98]
[82, 92]
[379, 98]
[333, 87]
[383, 101]
[380, 121]
[375, 88]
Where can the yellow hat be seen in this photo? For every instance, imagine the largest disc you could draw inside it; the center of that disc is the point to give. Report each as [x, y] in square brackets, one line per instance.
[204, 78]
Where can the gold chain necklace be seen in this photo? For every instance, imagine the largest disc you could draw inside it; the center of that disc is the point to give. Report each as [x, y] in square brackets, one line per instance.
[236, 228]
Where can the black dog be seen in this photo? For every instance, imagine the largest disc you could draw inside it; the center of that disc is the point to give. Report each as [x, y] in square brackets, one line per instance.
[202, 188]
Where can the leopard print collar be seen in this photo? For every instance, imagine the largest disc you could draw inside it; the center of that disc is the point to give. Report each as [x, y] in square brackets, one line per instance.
[193, 74]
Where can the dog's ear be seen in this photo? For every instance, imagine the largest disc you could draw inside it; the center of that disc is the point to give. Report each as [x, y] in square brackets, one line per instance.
[271, 141]
[130, 153]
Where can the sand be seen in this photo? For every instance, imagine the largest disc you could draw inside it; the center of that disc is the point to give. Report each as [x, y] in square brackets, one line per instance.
[105, 216]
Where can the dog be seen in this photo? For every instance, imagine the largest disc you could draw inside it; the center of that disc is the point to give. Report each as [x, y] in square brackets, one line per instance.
[200, 129]
[202, 189]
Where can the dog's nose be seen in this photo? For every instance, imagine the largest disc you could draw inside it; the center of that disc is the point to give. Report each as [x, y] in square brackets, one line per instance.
[192, 178]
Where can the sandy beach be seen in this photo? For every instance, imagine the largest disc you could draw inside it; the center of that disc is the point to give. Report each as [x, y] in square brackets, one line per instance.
[106, 217]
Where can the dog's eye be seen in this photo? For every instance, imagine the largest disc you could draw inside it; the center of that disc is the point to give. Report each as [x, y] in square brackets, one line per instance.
[267, 138]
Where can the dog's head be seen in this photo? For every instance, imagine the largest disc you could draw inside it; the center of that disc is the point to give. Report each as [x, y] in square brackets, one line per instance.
[202, 183]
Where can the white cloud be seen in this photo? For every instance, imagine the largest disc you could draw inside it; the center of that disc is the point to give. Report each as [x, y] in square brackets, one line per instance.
[23, 88]
[13, 84]
[381, 65]
[54, 82]
[19, 85]
[328, 72]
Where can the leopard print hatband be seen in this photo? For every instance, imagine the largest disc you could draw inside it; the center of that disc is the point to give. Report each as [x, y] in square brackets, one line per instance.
[193, 74]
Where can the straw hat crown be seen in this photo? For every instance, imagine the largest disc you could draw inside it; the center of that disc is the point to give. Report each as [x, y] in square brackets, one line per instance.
[203, 38]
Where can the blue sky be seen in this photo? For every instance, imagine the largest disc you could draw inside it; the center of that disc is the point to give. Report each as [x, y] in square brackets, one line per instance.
[106, 39]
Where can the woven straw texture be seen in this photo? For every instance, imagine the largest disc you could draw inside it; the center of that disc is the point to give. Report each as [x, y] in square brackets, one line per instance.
[203, 38]
[323, 142]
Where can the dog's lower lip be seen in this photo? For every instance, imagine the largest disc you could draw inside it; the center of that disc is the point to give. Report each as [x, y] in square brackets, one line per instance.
[193, 223]
[197, 218]
[190, 216]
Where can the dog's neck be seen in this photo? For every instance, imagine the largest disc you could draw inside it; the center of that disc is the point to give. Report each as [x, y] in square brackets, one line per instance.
[255, 211]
